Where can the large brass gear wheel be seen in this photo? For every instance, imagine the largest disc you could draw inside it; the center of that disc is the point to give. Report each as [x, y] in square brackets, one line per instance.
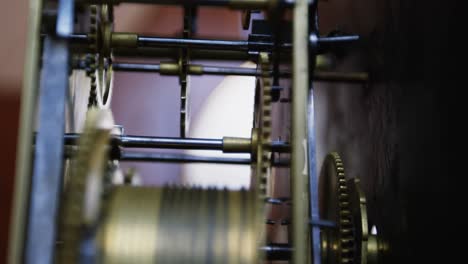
[343, 202]
[82, 196]
[338, 245]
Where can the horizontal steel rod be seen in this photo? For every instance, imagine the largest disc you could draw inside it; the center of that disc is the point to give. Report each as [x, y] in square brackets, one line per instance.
[173, 53]
[276, 251]
[230, 45]
[134, 156]
[323, 223]
[236, 45]
[319, 223]
[278, 201]
[241, 4]
[171, 143]
[180, 158]
[320, 76]
[184, 158]
[215, 70]
[281, 222]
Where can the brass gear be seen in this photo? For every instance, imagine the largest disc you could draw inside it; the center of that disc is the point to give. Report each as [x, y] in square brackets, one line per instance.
[261, 145]
[81, 199]
[184, 79]
[338, 245]
[263, 131]
[91, 62]
[99, 67]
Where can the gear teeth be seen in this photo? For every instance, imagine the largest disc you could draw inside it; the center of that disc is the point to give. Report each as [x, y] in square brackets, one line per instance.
[71, 220]
[265, 125]
[91, 61]
[345, 222]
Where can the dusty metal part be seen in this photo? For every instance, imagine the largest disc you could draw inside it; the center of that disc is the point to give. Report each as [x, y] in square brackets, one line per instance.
[25, 148]
[299, 166]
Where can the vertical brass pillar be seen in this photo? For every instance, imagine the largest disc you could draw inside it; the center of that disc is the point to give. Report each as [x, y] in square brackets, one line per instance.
[299, 167]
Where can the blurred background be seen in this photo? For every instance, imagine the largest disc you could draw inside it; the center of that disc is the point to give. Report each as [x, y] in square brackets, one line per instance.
[388, 131]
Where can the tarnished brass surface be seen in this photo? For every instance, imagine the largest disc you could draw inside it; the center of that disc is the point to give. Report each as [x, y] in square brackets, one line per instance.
[179, 225]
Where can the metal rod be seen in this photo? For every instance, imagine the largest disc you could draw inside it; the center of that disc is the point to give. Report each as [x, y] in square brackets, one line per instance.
[241, 4]
[215, 70]
[134, 156]
[275, 251]
[319, 223]
[181, 158]
[174, 53]
[166, 2]
[323, 223]
[135, 67]
[230, 45]
[320, 76]
[171, 143]
[239, 45]
[46, 181]
[278, 201]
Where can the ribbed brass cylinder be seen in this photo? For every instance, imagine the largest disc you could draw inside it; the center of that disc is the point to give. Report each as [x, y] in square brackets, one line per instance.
[179, 225]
